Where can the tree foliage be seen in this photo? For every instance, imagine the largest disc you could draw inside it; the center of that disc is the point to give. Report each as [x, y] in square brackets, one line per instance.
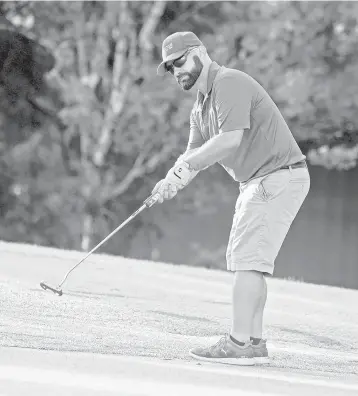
[80, 154]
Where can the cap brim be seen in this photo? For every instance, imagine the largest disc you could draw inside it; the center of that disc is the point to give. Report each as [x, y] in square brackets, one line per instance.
[161, 68]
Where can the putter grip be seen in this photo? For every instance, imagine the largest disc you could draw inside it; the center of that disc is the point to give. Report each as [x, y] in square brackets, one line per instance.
[152, 200]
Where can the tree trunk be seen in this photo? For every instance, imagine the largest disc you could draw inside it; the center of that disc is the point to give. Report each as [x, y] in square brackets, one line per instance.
[87, 228]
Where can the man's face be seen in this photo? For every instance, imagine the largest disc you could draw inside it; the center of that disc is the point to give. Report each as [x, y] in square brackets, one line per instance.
[188, 73]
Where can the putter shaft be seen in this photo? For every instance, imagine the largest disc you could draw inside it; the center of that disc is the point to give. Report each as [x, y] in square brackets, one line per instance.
[149, 202]
[102, 242]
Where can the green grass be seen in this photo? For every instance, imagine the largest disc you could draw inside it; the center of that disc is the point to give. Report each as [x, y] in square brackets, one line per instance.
[114, 305]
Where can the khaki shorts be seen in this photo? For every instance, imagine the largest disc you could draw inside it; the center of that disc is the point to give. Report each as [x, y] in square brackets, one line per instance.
[264, 212]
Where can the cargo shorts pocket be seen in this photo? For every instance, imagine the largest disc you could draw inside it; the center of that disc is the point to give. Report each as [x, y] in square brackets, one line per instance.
[273, 184]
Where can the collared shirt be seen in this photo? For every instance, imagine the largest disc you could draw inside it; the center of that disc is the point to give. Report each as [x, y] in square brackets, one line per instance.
[235, 101]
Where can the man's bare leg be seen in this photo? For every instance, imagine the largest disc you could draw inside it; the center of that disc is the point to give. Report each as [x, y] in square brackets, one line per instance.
[248, 291]
[257, 324]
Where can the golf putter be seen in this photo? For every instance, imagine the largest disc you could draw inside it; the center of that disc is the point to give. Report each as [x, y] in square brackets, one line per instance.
[146, 204]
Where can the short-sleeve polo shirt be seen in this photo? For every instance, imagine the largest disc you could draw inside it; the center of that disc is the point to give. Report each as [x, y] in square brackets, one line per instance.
[236, 101]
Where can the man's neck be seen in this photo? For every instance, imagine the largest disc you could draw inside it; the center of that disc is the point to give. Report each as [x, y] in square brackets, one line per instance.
[202, 83]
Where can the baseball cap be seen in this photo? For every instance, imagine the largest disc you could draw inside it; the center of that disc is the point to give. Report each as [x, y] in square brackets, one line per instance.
[174, 46]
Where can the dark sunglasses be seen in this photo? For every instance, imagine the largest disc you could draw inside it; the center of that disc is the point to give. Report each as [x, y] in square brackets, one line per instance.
[179, 62]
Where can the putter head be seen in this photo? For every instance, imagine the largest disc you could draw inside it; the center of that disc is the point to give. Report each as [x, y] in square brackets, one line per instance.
[54, 290]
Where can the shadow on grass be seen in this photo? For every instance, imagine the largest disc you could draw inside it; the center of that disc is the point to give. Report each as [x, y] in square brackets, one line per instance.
[185, 317]
[93, 295]
[314, 337]
[217, 302]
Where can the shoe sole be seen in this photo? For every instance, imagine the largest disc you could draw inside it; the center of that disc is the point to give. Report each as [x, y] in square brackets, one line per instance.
[262, 360]
[232, 361]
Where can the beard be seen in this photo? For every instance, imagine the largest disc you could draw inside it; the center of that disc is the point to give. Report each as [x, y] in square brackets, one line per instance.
[192, 76]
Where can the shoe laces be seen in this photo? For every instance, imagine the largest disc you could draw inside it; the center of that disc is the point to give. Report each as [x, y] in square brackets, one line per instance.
[220, 344]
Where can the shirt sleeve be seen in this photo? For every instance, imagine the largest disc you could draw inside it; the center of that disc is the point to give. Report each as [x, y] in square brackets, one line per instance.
[233, 103]
[195, 138]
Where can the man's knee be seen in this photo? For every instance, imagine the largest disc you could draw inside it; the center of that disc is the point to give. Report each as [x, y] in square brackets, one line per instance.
[248, 279]
[247, 273]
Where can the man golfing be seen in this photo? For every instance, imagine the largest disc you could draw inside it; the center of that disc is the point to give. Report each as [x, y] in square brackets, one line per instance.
[235, 123]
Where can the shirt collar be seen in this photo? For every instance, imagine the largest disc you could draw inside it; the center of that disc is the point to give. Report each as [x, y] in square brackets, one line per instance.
[213, 71]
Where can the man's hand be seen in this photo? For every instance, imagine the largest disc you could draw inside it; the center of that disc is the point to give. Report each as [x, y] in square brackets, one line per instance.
[179, 176]
[166, 190]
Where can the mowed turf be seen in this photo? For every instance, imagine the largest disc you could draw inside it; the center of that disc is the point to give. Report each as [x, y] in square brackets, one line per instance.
[114, 305]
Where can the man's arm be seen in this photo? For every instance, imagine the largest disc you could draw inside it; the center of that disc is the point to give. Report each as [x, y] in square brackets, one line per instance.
[233, 112]
[195, 140]
[183, 156]
[214, 150]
